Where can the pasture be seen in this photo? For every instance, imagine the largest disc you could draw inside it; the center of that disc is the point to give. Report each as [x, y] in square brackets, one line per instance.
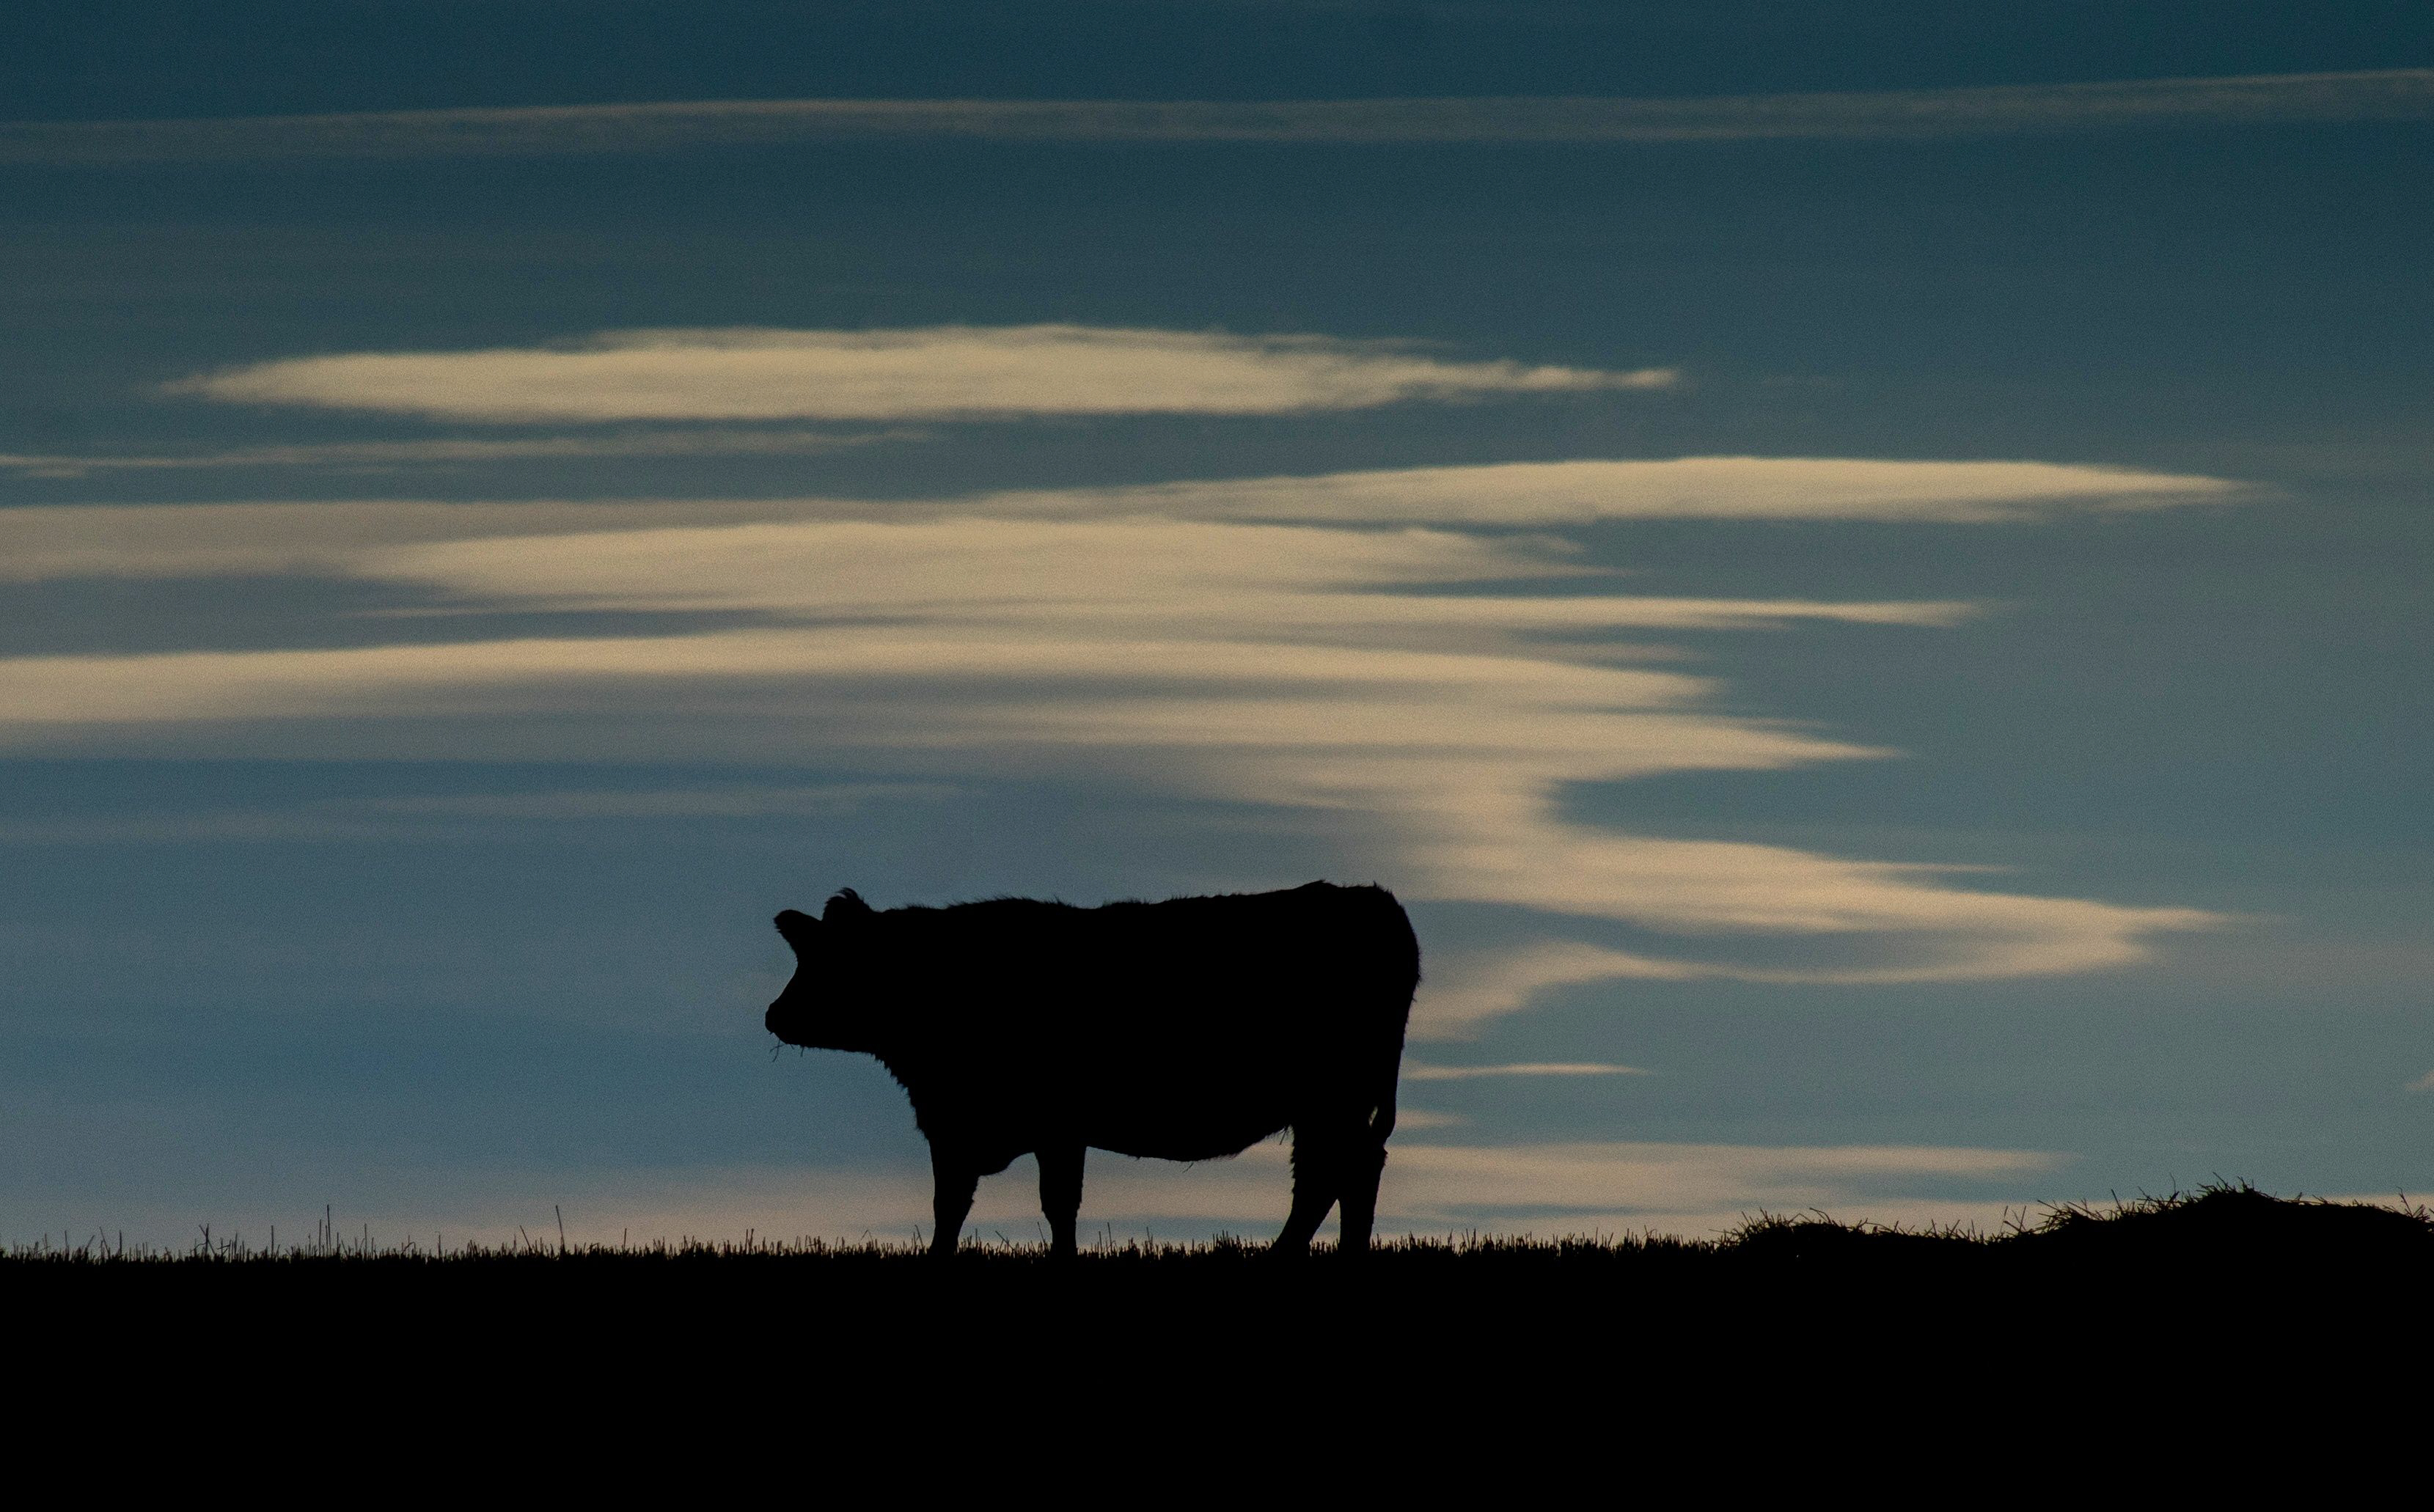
[1771, 1352]
[2221, 1242]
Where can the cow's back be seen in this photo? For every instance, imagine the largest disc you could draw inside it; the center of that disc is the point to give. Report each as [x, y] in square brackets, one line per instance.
[1214, 1021]
[1185, 1029]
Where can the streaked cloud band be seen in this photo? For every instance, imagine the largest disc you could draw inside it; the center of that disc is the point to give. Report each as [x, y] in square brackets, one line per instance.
[1387, 681]
[1420, 1070]
[937, 372]
[454, 450]
[157, 540]
[550, 131]
[1680, 487]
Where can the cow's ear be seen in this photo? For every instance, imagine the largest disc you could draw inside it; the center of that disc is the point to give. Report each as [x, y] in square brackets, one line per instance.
[847, 905]
[798, 929]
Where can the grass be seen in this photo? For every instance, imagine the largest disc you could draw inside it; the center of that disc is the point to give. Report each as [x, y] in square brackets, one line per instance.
[2123, 1310]
[2224, 1222]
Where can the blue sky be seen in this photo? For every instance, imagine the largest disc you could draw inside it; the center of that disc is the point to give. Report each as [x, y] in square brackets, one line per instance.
[1878, 634]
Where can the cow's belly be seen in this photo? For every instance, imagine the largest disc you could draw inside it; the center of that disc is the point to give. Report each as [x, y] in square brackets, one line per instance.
[1150, 1142]
[1179, 1126]
[1160, 1097]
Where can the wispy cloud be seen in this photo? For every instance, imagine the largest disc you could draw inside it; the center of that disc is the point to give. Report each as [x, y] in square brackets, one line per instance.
[1449, 1182]
[934, 373]
[452, 450]
[675, 125]
[1354, 674]
[413, 816]
[201, 540]
[1418, 1070]
[2422, 1084]
[1682, 487]
[726, 802]
[1555, 1189]
[1466, 988]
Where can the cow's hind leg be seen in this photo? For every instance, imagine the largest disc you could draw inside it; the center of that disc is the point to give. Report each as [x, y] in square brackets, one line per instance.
[1362, 1166]
[1060, 1194]
[952, 1201]
[1318, 1161]
[1364, 1163]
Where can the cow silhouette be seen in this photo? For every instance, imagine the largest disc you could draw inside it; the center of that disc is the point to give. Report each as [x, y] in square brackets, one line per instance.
[1187, 1030]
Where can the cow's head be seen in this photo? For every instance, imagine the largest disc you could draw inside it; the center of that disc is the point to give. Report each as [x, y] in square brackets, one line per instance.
[825, 1002]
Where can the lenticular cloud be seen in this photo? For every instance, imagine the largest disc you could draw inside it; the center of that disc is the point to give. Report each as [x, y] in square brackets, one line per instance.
[932, 373]
[1386, 683]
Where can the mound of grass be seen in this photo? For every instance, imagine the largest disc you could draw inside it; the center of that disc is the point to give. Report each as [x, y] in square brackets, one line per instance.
[2228, 1226]
[2239, 1217]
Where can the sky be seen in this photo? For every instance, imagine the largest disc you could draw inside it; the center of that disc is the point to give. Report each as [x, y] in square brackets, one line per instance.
[1860, 569]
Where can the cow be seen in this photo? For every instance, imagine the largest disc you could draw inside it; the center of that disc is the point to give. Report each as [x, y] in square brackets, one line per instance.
[1188, 1030]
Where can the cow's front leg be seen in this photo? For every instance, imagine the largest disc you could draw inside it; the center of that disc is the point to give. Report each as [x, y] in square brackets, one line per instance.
[1060, 1194]
[955, 1182]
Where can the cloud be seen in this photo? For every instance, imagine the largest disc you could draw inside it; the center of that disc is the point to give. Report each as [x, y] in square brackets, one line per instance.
[934, 373]
[2422, 1084]
[411, 816]
[46, 542]
[454, 451]
[675, 126]
[1549, 1189]
[1468, 986]
[726, 802]
[1354, 674]
[1699, 1190]
[1449, 1183]
[1686, 488]
[1415, 1071]
[41, 542]
[1865, 921]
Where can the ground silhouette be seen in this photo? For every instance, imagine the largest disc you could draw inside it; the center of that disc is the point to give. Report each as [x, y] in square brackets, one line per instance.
[2181, 1336]
[1186, 1030]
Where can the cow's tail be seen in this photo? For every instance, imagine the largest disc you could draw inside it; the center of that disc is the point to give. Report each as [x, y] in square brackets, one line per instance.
[1403, 949]
[1394, 977]
[1389, 1072]
[1382, 1105]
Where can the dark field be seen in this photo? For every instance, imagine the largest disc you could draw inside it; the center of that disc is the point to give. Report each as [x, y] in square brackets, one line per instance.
[2221, 1242]
[1786, 1349]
